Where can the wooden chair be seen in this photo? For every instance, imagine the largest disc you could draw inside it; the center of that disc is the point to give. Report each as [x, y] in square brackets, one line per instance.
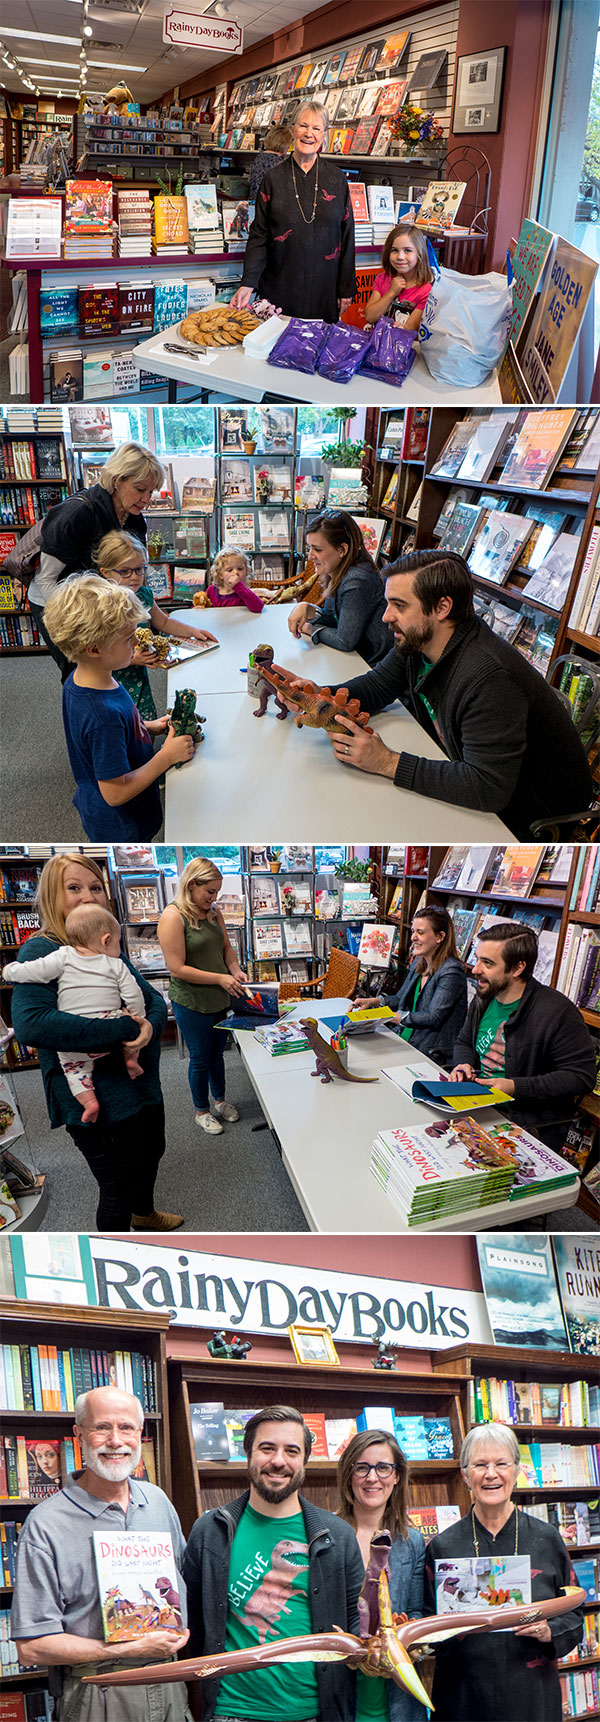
[467, 251]
[340, 979]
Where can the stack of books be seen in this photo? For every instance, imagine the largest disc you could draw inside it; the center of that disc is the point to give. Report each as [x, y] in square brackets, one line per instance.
[281, 1037]
[204, 219]
[360, 211]
[441, 1169]
[237, 221]
[135, 223]
[381, 211]
[88, 219]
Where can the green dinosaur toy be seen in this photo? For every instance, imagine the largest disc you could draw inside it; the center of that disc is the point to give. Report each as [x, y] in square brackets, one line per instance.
[184, 718]
[328, 1063]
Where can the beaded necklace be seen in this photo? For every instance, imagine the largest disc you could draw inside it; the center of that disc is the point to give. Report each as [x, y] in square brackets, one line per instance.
[307, 219]
[475, 1542]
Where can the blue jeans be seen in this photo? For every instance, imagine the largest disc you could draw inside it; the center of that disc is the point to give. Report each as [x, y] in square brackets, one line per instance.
[206, 1068]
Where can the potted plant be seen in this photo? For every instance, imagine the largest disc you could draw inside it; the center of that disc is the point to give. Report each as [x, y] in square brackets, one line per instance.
[275, 860]
[155, 545]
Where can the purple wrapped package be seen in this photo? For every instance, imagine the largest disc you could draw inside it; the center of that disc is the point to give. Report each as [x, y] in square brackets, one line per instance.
[299, 347]
[391, 353]
[344, 350]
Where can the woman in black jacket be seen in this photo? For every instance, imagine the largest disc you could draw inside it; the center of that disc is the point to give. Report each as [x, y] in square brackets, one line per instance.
[350, 617]
[432, 1002]
[72, 530]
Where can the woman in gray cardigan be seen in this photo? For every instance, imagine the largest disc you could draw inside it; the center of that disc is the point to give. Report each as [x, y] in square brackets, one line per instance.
[351, 616]
[432, 1001]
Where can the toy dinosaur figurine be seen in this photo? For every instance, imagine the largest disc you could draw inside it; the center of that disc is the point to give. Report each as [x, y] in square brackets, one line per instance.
[328, 1063]
[184, 718]
[383, 1647]
[262, 660]
[319, 708]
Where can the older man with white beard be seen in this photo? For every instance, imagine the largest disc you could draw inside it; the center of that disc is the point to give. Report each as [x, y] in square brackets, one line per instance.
[56, 1616]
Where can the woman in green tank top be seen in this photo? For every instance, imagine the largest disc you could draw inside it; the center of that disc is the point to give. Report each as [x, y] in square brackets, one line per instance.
[373, 1488]
[205, 977]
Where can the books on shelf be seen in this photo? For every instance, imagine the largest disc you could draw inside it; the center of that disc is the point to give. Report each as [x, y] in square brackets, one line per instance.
[585, 609]
[298, 937]
[579, 973]
[485, 447]
[585, 892]
[346, 487]
[518, 870]
[552, 577]
[170, 225]
[136, 305]
[239, 529]
[461, 527]
[538, 448]
[372, 530]
[237, 221]
[274, 529]
[209, 1432]
[49, 1377]
[441, 203]
[567, 1405]
[376, 942]
[202, 209]
[497, 546]
[170, 303]
[452, 455]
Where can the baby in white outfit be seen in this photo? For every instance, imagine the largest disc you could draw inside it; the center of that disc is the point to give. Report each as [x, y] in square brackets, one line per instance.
[93, 981]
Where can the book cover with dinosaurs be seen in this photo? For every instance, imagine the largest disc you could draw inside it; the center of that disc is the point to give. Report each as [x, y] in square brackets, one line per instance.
[137, 1582]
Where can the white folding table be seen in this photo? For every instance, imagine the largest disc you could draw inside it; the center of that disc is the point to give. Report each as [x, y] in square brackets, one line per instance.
[253, 775]
[326, 1131]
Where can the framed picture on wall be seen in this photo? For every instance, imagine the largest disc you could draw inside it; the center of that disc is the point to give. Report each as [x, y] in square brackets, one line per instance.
[478, 91]
[313, 1344]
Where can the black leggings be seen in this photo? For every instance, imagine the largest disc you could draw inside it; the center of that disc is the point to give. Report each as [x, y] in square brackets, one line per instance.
[37, 611]
[124, 1159]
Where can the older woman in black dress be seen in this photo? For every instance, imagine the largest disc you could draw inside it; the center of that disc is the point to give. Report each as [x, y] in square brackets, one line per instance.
[300, 251]
[493, 1676]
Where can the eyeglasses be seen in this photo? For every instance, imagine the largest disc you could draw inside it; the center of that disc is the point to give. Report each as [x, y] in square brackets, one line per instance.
[383, 1469]
[492, 1465]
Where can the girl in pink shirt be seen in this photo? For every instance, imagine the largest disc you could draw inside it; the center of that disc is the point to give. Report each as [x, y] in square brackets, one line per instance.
[404, 281]
[230, 572]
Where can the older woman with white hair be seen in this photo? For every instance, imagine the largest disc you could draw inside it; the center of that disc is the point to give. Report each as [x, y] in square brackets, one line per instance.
[73, 529]
[500, 1676]
[300, 251]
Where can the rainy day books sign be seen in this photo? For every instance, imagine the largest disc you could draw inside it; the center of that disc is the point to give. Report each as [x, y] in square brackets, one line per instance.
[205, 1290]
[189, 29]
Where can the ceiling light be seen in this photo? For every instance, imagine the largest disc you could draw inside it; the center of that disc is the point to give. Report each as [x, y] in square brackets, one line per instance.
[34, 36]
[87, 30]
[69, 65]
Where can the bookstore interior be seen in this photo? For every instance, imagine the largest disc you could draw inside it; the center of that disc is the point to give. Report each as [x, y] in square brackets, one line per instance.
[429, 232]
[357, 1394]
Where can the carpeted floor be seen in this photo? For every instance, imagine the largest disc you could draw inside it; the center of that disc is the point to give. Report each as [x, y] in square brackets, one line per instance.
[36, 781]
[235, 1182]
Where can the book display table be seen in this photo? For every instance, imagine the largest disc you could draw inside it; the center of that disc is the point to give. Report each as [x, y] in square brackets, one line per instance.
[325, 1132]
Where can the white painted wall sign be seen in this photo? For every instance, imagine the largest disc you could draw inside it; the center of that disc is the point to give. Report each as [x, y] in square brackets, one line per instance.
[188, 29]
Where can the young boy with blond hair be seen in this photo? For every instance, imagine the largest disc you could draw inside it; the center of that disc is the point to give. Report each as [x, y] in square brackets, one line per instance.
[110, 746]
[93, 981]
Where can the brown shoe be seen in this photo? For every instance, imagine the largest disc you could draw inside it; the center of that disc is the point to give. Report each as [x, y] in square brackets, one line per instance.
[156, 1222]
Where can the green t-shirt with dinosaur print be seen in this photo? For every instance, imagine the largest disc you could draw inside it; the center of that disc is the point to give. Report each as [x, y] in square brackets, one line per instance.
[268, 1598]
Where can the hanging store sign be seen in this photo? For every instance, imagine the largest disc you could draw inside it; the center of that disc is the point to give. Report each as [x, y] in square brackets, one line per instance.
[186, 29]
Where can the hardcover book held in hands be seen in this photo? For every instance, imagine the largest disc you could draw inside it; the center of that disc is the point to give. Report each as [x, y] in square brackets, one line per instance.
[138, 1583]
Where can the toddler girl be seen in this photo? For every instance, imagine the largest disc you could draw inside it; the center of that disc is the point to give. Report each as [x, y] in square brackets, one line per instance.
[122, 559]
[230, 573]
[404, 281]
[93, 981]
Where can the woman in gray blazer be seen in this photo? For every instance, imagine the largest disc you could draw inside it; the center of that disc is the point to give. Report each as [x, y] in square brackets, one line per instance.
[432, 1001]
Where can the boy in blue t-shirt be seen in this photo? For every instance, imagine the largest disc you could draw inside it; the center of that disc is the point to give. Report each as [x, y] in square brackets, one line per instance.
[110, 746]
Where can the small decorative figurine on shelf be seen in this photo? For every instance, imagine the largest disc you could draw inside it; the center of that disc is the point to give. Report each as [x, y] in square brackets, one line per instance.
[235, 1347]
[385, 1356]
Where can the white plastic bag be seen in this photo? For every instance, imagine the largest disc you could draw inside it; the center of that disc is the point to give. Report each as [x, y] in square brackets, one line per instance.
[464, 327]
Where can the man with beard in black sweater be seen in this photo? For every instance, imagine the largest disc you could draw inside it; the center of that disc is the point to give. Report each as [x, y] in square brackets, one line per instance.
[511, 745]
[524, 1037]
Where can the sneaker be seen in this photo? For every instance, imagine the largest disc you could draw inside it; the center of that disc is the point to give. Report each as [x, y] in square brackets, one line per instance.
[224, 1109]
[156, 1222]
[208, 1123]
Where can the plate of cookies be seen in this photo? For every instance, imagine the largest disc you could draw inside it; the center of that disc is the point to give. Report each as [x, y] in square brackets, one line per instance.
[217, 326]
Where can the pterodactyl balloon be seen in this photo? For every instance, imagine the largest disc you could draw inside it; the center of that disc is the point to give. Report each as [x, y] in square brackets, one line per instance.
[382, 1648]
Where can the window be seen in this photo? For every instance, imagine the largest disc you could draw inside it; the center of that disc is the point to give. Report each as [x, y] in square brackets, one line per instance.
[130, 424]
[183, 430]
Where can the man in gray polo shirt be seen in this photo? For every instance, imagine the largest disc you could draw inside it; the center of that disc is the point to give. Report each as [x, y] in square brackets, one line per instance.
[56, 1617]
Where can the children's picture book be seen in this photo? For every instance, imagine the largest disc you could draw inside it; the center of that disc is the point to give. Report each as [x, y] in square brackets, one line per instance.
[441, 203]
[497, 546]
[281, 1038]
[538, 448]
[518, 870]
[434, 1089]
[375, 947]
[236, 479]
[464, 1585]
[238, 529]
[138, 1584]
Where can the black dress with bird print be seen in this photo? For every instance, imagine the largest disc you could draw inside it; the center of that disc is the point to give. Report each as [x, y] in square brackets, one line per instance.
[303, 267]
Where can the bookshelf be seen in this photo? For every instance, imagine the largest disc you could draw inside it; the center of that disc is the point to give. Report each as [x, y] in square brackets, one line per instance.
[34, 475]
[65, 1326]
[341, 1392]
[568, 635]
[582, 886]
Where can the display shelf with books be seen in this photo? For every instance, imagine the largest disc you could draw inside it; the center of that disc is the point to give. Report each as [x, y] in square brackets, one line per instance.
[49, 1353]
[34, 476]
[257, 499]
[577, 962]
[279, 897]
[401, 446]
[337, 1396]
[510, 491]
